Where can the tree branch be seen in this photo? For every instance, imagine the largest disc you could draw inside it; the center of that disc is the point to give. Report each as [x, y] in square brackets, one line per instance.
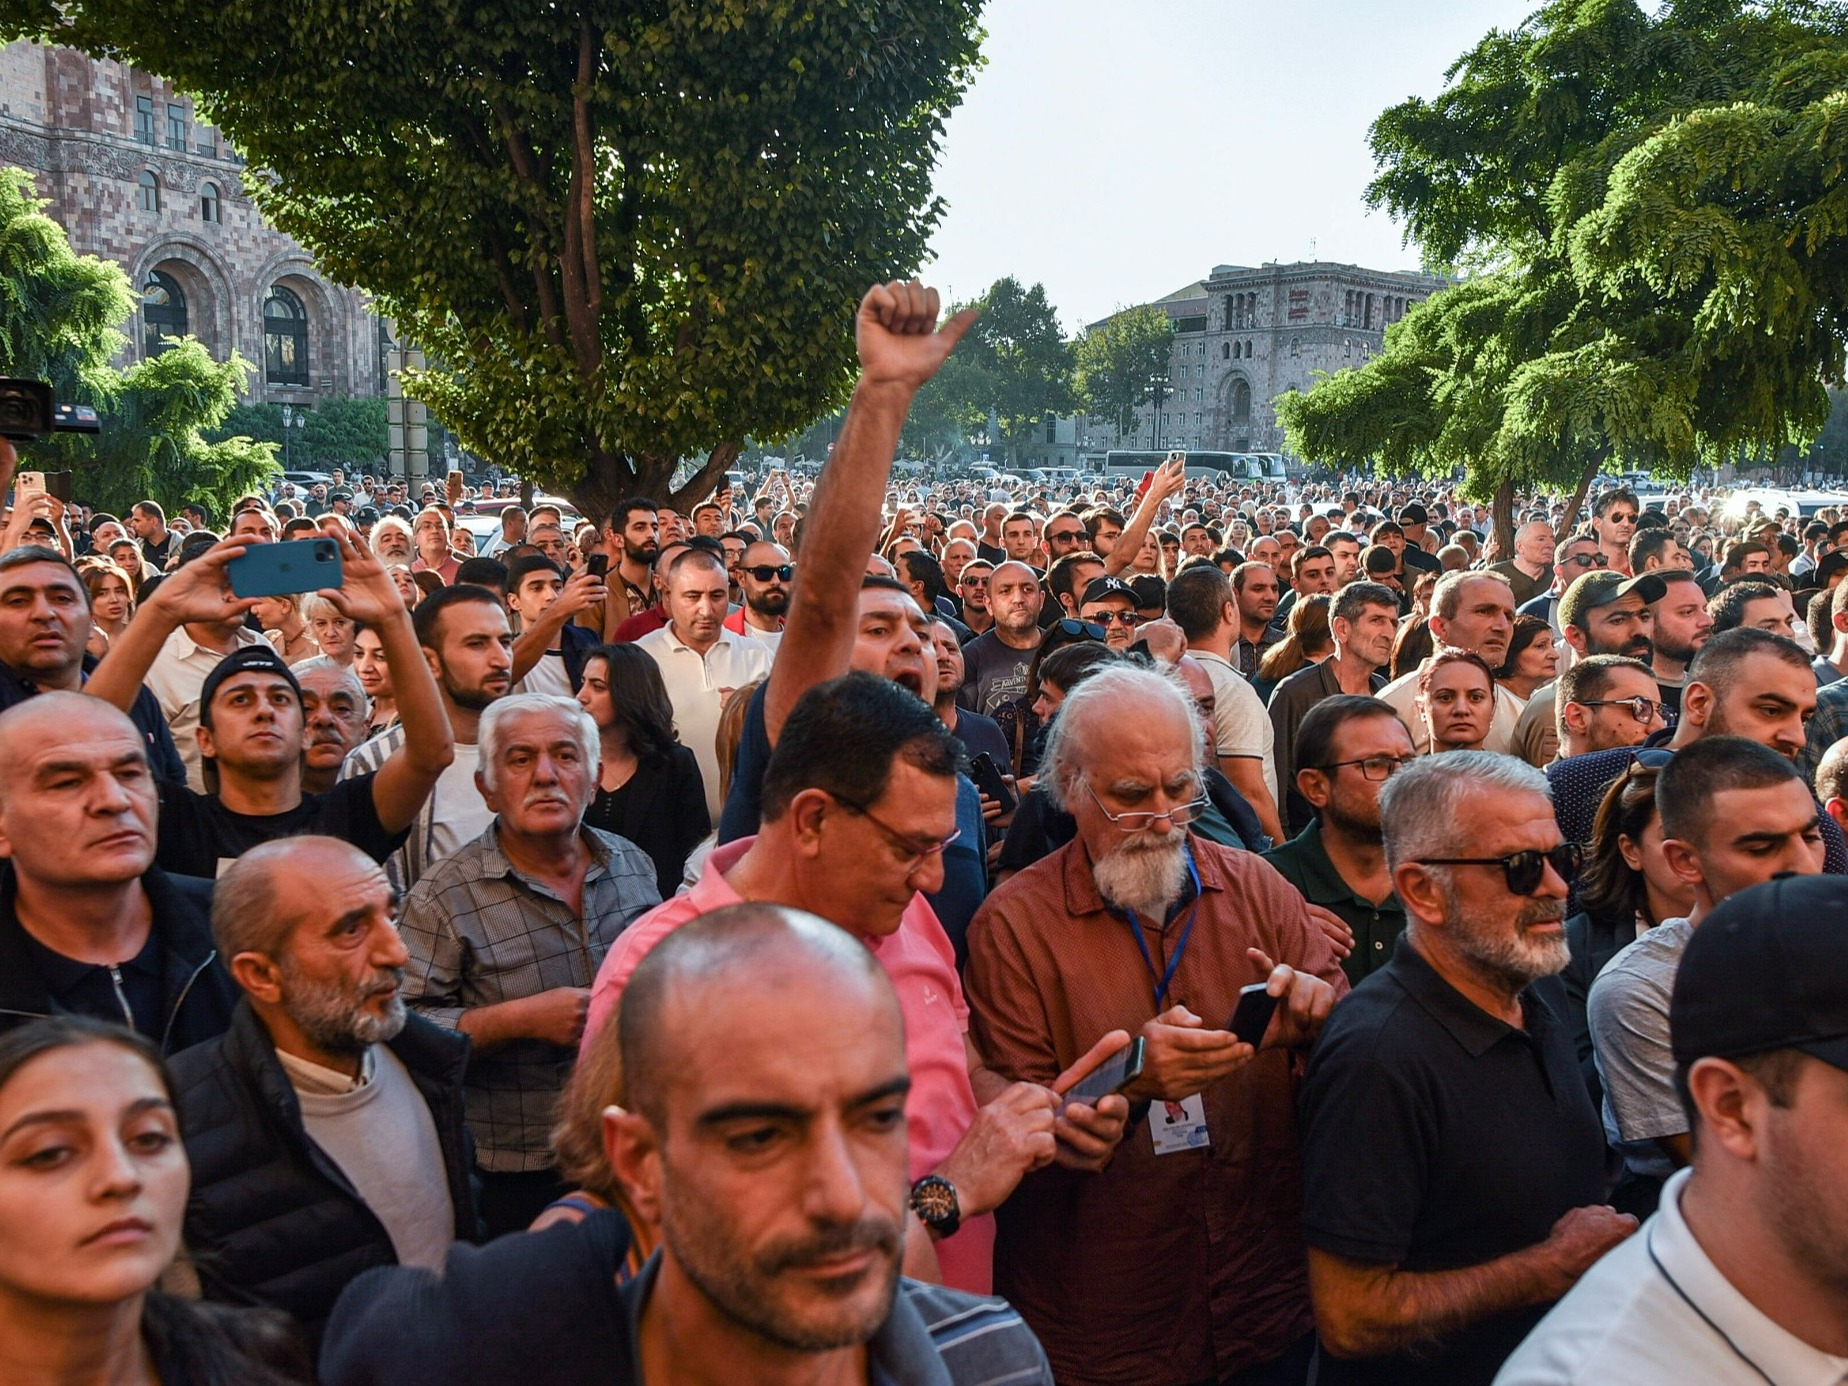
[700, 485]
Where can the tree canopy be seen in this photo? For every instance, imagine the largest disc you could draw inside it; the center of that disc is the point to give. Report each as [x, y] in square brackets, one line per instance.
[1636, 297]
[624, 234]
[1119, 360]
[61, 316]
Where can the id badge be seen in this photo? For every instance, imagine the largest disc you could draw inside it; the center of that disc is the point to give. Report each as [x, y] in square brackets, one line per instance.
[1179, 1125]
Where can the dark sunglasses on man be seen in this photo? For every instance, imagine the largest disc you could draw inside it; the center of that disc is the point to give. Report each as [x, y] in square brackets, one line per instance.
[1524, 870]
[764, 572]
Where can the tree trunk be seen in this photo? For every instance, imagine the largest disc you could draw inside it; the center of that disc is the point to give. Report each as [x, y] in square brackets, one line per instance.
[613, 478]
[1577, 503]
[1501, 508]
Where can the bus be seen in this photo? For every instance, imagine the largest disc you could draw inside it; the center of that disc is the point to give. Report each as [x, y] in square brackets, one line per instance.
[1239, 466]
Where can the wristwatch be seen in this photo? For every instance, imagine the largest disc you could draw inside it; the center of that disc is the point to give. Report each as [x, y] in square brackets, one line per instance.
[933, 1199]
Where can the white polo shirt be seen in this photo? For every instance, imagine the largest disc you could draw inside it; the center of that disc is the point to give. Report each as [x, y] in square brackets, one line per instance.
[697, 686]
[1657, 1312]
[1402, 696]
[176, 678]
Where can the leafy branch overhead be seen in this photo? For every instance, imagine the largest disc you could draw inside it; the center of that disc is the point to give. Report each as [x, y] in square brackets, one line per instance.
[624, 234]
[1654, 209]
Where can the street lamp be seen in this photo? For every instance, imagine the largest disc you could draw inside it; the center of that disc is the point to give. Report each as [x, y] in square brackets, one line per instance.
[299, 418]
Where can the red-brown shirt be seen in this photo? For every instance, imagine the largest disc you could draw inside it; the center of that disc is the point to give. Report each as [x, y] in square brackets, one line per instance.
[1164, 1269]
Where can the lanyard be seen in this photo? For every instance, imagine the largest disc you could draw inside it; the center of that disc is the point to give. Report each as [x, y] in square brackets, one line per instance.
[1166, 978]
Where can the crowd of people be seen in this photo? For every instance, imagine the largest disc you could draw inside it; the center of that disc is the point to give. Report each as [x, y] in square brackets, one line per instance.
[1207, 931]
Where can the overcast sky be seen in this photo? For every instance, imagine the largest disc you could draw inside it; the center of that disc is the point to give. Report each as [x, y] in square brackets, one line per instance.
[1117, 150]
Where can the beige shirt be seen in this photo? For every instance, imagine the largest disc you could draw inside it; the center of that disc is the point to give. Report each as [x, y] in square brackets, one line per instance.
[176, 679]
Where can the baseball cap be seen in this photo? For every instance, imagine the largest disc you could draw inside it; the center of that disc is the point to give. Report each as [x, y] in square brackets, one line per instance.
[1413, 514]
[1098, 588]
[1764, 971]
[1149, 591]
[1601, 587]
[243, 660]
[367, 515]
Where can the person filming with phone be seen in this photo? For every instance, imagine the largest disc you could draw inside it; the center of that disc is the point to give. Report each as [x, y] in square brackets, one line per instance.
[1179, 1258]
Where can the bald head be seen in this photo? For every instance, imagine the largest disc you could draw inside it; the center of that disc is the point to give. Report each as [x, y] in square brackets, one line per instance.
[270, 889]
[707, 968]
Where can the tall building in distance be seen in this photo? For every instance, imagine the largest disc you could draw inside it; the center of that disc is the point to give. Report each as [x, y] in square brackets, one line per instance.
[1244, 336]
[135, 177]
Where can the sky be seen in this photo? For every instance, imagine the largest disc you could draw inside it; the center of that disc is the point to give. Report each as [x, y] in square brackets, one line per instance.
[1116, 150]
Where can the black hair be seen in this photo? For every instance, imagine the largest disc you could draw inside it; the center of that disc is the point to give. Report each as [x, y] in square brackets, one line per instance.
[1718, 662]
[927, 570]
[1613, 497]
[843, 736]
[619, 517]
[518, 570]
[427, 618]
[1610, 888]
[1688, 784]
[1315, 735]
[1197, 598]
[639, 698]
[482, 572]
[1727, 606]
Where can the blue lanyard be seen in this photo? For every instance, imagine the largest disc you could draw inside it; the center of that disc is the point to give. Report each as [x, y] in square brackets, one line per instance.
[1166, 979]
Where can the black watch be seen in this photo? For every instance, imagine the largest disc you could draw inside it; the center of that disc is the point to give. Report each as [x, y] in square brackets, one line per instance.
[933, 1199]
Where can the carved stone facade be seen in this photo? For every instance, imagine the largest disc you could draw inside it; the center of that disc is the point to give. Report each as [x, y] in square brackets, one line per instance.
[1245, 336]
[134, 177]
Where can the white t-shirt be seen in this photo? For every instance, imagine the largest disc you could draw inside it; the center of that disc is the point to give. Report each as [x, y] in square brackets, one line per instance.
[458, 814]
[548, 676]
[1241, 726]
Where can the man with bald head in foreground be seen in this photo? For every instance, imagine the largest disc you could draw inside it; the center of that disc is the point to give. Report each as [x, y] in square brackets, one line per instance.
[763, 1057]
[88, 924]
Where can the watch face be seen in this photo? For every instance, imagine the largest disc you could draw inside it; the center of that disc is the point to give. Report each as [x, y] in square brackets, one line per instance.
[934, 1200]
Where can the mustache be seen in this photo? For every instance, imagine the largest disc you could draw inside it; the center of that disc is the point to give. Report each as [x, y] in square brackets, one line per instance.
[1540, 912]
[868, 1234]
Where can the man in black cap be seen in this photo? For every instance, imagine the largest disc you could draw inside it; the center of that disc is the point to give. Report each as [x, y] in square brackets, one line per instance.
[1109, 602]
[251, 728]
[1742, 1276]
[1602, 613]
[1412, 520]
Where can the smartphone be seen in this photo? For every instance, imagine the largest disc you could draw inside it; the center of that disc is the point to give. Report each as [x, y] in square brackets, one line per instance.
[1117, 1073]
[1177, 457]
[989, 779]
[599, 565]
[58, 486]
[276, 570]
[1252, 1016]
[454, 485]
[28, 484]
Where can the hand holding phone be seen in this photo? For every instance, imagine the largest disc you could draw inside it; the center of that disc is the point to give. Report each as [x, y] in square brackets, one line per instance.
[989, 779]
[1252, 1016]
[1113, 1075]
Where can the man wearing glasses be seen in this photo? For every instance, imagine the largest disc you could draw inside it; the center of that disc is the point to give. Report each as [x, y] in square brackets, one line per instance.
[1613, 520]
[1573, 557]
[1108, 602]
[859, 805]
[1180, 1260]
[1602, 613]
[972, 594]
[1607, 702]
[764, 574]
[1453, 1165]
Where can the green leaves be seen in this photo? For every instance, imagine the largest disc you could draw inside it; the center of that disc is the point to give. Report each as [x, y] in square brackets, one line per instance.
[1118, 360]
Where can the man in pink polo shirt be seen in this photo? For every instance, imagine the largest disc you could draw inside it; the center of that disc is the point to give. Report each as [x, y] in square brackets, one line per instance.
[859, 801]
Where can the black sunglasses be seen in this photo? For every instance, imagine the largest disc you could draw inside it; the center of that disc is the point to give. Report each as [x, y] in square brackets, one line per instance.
[1080, 630]
[764, 572]
[1524, 870]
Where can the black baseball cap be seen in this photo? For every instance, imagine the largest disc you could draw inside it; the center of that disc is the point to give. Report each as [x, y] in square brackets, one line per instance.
[1099, 588]
[1601, 587]
[1413, 514]
[250, 657]
[1764, 971]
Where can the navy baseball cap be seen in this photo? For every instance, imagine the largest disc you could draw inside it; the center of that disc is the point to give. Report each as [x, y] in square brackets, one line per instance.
[1765, 971]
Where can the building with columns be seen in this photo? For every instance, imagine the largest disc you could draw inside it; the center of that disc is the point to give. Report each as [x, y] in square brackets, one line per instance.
[133, 176]
[1242, 337]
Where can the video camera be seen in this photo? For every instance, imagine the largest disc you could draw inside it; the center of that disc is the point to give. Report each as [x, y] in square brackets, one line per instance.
[28, 412]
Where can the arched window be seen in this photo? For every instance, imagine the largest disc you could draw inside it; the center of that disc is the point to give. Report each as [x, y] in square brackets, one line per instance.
[285, 338]
[163, 312]
[1238, 350]
[147, 192]
[209, 206]
[1241, 401]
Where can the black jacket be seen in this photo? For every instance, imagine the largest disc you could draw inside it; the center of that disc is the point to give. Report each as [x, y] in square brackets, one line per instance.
[272, 1219]
[197, 993]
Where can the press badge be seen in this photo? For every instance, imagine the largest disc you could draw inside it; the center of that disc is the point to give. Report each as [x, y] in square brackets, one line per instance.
[1179, 1125]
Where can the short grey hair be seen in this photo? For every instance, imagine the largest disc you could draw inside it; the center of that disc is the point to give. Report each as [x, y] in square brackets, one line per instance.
[323, 664]
[1120, 690]
[317, 608]
[1421, 806]
[493, 729]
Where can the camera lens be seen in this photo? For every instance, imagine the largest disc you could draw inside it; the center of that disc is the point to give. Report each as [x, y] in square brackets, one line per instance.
[325, 549]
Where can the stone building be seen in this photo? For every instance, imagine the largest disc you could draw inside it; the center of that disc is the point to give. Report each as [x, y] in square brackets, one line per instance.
[1245, 336]
[134, 177]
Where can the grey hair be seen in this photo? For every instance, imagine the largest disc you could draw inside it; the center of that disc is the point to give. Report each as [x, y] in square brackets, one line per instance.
[1138, 688]
[493, 730]
[1447, 596]
[1421, 806]
[320, 607]
[386, 524]
[322, 664]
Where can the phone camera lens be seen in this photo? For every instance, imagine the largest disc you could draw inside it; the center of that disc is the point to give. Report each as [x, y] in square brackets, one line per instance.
[324, 550]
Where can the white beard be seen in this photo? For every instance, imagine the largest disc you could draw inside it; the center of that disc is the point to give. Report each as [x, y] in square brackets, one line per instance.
[1144, 880]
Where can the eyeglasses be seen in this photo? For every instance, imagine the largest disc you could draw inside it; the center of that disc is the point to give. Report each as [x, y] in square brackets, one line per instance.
[1588, 560]
[1179, 816]
[1121, 618]
[764, 572]
[1375, 768]
[974, 582]
[1641, 708]
[916, 855]
[1524, 870]
[1068, 536]
[1080, 630]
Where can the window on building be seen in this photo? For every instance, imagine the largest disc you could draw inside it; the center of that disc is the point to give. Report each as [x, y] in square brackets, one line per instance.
[1241, 401]
[144, 119]
[1247, 350]
[1225, 351]
[1052, 431]
[1296, 346]
[285, 338]
[210, 208]
[147, 191]
[1199, 393]
[176, 126]
[163, 312]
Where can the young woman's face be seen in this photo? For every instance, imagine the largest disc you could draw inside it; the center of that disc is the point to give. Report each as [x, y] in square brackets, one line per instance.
[93, 1177]
[594, 695]
[369, 665]
[110, 603]
[1459, 706]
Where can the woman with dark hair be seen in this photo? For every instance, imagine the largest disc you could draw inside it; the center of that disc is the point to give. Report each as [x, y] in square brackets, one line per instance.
[649, 788]
[1532, 658]
[93, 1186]
[1456, 700]
[1308, 641]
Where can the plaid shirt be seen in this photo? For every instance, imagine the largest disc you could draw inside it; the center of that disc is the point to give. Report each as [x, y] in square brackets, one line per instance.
[479, 933]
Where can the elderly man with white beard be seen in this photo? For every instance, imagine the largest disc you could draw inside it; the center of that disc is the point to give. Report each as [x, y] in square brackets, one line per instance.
[1179, 1259]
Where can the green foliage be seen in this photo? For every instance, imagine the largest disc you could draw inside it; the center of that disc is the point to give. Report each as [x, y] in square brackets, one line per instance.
[1657, 203]
[62, 321]
[1018, 365]
[1117, 360]
[624, 234]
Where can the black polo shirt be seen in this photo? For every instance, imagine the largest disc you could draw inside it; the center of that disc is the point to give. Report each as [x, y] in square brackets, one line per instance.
[1436, 1137]
[1303, 862]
